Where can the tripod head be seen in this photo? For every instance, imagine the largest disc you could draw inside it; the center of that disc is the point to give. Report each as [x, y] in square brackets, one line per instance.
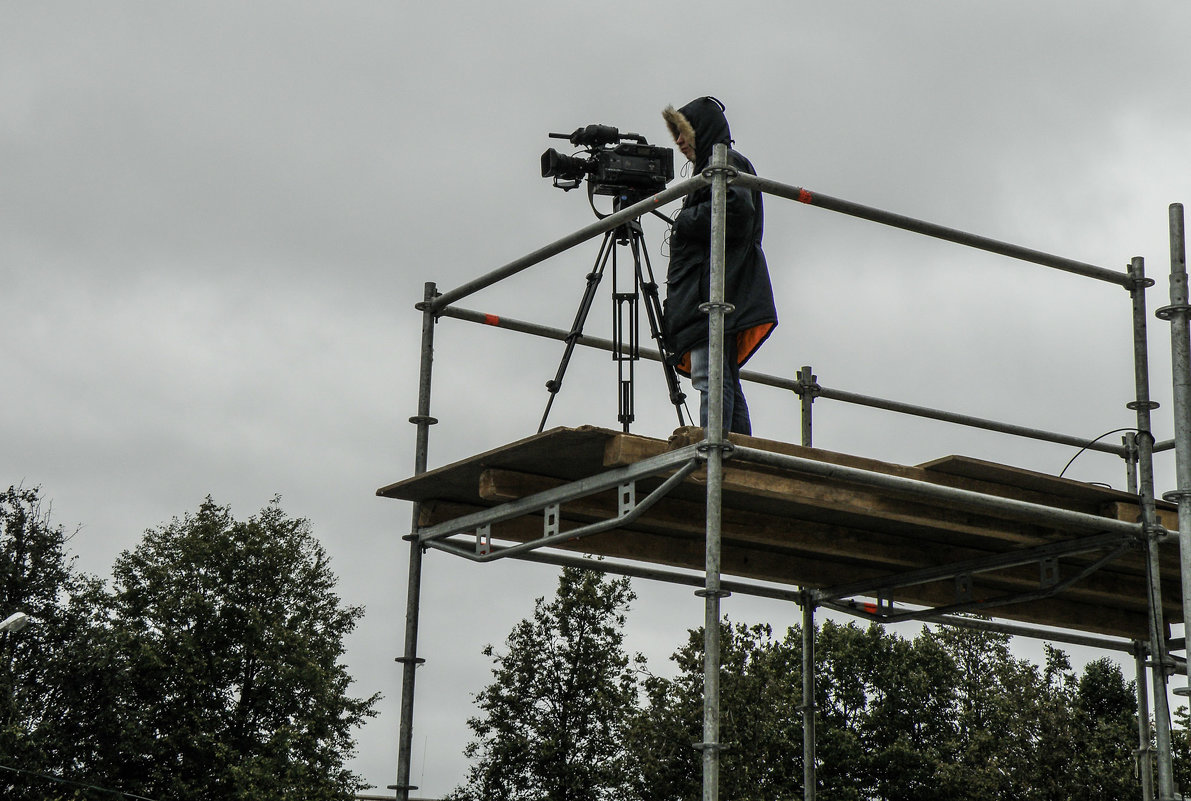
[627, 199]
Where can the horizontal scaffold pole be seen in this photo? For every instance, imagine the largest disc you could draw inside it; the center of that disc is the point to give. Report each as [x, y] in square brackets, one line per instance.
[795, 596]
[997, 626]
[962, 419]
[932, 230]
[655, 465]
[984, 564]
[569, 535]
[578, 237]
[549, 332]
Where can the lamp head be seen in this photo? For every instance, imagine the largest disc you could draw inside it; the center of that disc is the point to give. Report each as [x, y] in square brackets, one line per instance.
[15, 622]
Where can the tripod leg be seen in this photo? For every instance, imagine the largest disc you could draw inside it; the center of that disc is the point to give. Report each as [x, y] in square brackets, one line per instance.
[653, 311]
[625, 353]
[593, 283]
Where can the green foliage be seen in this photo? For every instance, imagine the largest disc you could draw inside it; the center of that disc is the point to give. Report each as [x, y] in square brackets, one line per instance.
[760, 689]
[882, 705]
[210, 669]
[950, 714]
[552, 722]
[231, 634]
[1182, 749]
[37, 577]
[992, 695]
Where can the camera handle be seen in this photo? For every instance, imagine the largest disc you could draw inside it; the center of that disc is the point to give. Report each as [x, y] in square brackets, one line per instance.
[625, 324]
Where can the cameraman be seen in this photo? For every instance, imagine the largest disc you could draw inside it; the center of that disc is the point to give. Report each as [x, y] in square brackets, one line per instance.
[697, 127]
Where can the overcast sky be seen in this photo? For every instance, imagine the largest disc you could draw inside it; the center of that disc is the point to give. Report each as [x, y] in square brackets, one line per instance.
[216, 218]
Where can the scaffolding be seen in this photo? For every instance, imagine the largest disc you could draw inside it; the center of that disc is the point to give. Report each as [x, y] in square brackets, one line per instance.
[1136, 528]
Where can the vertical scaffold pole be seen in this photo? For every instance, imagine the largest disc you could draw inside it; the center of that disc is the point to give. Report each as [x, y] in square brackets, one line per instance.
[715, 442]
[1145, 767]
[1180, 354]
[409, 660]
[1145, 444]
[809, 746]
[808, 388]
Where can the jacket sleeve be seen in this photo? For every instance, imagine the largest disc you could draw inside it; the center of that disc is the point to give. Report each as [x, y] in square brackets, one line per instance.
[694, 221]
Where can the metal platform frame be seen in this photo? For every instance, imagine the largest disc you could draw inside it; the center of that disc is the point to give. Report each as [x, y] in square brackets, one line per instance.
[1137, 449]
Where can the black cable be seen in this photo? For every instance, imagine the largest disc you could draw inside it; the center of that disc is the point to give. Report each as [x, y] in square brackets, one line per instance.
[1090, 444]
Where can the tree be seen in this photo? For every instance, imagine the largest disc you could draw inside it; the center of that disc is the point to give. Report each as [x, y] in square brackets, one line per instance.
[1105, 707]
[37, 578]
[1027, 731]
[553, 720]
[225, 637]
[950, 714]
[760, 691]
[884, 706]
[1182, 749]
[993, 709]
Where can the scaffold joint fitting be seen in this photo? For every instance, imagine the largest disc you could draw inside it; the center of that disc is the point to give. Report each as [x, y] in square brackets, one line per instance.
[1172, 311]
[808, 384]
[728, 170]
[705, 447]
[1157, 532]
[709, 307]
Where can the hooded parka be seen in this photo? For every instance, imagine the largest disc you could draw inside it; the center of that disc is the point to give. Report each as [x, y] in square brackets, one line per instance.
[746, 275]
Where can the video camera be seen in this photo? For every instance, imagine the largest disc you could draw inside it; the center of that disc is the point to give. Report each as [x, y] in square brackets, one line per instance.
[614, 166]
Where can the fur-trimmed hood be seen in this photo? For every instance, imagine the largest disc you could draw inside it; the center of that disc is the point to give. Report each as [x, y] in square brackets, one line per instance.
[702, 123]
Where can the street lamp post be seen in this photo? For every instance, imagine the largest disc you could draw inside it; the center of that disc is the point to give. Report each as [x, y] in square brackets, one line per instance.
[13, 623]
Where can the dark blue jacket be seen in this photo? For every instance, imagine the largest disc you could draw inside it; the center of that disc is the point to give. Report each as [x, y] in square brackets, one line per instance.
[746, 278]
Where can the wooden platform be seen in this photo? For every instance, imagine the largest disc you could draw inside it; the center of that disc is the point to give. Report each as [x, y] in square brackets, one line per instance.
[799, 529]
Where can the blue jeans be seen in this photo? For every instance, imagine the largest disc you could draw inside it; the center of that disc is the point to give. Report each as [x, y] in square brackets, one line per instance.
[736, 409]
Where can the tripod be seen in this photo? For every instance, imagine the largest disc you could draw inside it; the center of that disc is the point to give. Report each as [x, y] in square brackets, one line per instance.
[625, 341]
